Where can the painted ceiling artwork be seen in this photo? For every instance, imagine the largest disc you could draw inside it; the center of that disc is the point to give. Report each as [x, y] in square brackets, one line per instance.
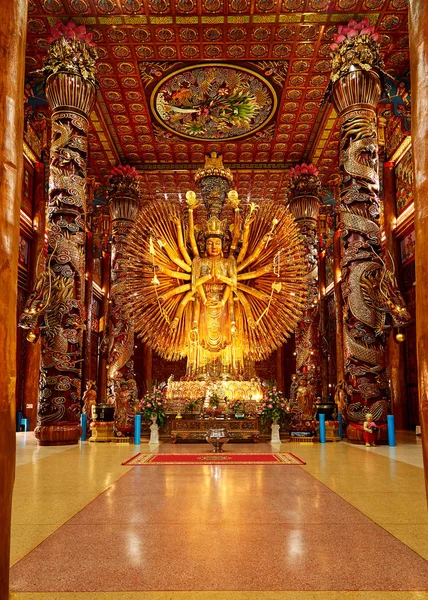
[277, 50]
[213, 102]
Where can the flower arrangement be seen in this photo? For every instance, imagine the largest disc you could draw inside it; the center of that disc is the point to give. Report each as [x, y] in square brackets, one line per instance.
[355, 44]
[304, 180]
[237, 406]
[214, 400]
[154, 402]
[71, 51]
[275, 407]
[192, 406]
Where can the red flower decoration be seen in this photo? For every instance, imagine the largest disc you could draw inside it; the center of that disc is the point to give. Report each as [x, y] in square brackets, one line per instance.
[124, 171]
[304, 169]
[353, 29]
[71, 31]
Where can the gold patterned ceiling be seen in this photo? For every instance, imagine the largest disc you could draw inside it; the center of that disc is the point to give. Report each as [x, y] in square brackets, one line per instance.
[145, 113]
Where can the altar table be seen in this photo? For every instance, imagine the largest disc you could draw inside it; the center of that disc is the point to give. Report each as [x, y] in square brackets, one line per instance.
[196, 429]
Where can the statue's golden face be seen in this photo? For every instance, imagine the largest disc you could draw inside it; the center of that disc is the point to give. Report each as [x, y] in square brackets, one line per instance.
[214, 247]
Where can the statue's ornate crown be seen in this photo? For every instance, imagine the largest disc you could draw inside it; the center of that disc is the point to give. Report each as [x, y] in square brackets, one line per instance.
[215, 228]
[214, 168]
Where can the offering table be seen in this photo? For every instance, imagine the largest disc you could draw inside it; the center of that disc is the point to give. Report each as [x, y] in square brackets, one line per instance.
[197, 428]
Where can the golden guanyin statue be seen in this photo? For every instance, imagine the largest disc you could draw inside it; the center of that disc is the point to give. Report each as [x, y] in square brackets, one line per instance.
[214, 346]
[216, 282]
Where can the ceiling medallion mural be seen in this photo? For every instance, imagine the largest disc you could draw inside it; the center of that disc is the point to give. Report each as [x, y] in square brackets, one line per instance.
[213, 102]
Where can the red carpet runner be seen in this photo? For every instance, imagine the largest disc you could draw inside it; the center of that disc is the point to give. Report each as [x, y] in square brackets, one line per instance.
[282, 458]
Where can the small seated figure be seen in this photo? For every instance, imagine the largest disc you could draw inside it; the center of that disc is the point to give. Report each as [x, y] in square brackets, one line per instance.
[370, 430]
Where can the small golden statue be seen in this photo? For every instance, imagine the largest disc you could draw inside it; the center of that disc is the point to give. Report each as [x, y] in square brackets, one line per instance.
[89, 398]
[220, 284]
[340, 397]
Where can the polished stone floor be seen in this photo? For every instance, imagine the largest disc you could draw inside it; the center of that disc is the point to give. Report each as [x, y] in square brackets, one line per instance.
[350, 524]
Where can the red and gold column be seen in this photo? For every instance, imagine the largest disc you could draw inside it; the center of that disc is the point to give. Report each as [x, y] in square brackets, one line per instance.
[124, 203]
[395, 349]
[338, 307]
[37, 264]
[418, 34]
[372, 301]
[12, 47]
[55, 309]
[303, 203]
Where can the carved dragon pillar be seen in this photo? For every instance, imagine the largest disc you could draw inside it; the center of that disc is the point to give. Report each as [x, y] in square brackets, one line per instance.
[124, 204]
[303, 203]
[372, 301]
[55, 309]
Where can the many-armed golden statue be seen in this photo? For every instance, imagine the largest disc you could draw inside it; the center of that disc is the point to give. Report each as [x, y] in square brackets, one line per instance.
[224, 292]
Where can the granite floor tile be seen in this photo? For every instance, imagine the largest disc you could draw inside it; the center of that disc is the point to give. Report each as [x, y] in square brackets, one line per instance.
[415, 536]
[223, 595]
[229, 557]
[271, 498]
[405, 508]
[196, 532]
[84, 523]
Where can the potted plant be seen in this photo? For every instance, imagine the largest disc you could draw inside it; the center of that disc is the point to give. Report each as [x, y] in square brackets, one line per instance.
[192, 407]
[213, 403]
[153, 406]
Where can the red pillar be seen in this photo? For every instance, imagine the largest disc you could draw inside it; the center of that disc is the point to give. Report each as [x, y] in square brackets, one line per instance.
[395, 350]
[12, 50]
[104, 319]
[38, 263]
[418, 30]
[338, 303]
[323, 308]
[89, 295]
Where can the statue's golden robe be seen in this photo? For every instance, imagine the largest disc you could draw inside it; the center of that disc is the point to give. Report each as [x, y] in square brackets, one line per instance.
[216, 348]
